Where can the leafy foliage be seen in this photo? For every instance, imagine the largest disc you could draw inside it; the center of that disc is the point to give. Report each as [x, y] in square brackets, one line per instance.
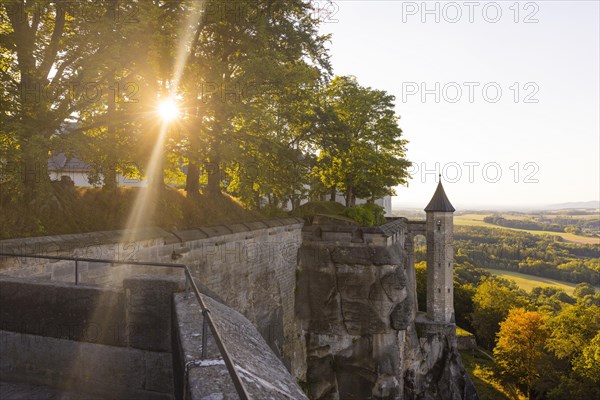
[362, 152]
[368, 214]
[519, 353]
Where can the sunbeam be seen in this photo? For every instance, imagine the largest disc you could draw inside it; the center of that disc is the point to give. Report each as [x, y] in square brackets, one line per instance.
[168, 111]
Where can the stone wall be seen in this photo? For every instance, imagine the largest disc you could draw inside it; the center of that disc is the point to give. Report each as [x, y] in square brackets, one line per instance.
[133, 342]
[253, 270]
[251, 266]
[106, 341]
[62, 311]
[111, 371]
[356, 299]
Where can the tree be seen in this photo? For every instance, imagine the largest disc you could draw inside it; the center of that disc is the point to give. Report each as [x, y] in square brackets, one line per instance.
[51, 54]
[583, 289]
[574, 339]
[519, 352]
[421, 277]
[587, 364]
[362, 153]
[572, 329]
[242, 82]
[491, 304]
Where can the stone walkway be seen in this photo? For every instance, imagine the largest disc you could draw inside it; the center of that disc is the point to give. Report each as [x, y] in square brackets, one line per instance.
[24, 391]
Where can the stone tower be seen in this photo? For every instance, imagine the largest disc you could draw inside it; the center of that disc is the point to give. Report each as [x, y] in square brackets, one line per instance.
[440, 256]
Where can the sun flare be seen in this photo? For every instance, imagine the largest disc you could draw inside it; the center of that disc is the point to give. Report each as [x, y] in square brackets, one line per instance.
[168, 110]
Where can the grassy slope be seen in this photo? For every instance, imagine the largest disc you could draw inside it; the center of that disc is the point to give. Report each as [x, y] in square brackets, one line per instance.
[479, 367]
[73, 210]
[477, 220]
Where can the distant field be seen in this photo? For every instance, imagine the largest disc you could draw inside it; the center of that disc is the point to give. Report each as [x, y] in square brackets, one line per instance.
[477, 220]
[528, 282]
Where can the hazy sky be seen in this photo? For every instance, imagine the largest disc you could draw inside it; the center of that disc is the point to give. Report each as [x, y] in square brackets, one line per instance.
[519, 99]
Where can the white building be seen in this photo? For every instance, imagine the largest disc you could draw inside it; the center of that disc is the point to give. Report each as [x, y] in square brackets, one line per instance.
[60, 165]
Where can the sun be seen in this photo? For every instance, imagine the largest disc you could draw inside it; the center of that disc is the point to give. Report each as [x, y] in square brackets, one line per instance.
[168, 110]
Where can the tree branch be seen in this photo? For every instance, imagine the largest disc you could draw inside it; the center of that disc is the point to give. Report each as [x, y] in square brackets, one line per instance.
[52, 49]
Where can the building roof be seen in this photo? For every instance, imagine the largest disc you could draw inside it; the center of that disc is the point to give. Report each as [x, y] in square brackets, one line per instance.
[60, 162]
[439, 201]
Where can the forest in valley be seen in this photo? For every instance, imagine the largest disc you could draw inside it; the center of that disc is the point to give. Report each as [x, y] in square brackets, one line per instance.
[545, 343]
[540, 255]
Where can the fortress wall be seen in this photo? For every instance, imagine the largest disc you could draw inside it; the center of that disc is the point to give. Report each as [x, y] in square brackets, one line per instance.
[113, 342]
[91, 368]
[251, 266]
[62, 311]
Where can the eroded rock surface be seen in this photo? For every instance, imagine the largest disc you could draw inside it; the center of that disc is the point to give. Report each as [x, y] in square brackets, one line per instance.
[363, 341]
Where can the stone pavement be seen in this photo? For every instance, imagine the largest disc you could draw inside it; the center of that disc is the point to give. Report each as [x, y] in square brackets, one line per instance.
[24, 391]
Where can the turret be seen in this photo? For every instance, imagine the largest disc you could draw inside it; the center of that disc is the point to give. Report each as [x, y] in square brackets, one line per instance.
[440, 257]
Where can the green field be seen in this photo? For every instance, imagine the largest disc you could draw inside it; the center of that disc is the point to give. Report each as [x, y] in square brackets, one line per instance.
[477, 220]
[528, 282]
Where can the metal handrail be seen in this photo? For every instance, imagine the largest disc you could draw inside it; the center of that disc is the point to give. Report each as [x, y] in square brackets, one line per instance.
[237, 381]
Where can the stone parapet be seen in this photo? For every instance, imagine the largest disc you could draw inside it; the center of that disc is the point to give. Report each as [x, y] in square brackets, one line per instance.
[388, 234]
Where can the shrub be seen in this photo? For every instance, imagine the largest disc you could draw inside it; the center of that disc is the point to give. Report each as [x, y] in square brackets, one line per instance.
[368, 214]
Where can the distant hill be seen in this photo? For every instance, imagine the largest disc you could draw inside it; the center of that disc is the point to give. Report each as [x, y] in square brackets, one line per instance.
[594, 204]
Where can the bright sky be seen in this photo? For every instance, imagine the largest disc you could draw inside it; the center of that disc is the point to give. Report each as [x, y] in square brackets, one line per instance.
[541, 133]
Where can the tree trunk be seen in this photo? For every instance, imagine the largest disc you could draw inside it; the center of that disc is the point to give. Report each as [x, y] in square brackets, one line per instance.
[157, 180]
[110, 170]
[192, 180]
[333, 194]
[257, 200]
[35, 170]
[350, 197]
[110, 177]
[213, 170]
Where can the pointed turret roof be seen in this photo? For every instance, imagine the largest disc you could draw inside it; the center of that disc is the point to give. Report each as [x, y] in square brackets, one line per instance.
[439, 201]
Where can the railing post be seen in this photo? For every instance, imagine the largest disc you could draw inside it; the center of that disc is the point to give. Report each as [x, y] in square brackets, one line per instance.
[76, 271]
[204, 333]
[187, 286]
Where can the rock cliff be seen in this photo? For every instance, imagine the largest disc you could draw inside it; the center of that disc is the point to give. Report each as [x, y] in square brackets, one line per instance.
[365, 339]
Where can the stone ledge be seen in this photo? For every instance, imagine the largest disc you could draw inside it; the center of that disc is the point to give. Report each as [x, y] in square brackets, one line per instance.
[69, 243]
[383, 235]
[263, 374]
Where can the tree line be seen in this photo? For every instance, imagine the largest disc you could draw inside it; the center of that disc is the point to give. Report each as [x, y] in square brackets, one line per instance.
[540, 255]
[262, 115]
[578, 226]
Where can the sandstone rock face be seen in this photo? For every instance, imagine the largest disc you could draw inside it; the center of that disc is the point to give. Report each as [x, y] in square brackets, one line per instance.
[356, 307]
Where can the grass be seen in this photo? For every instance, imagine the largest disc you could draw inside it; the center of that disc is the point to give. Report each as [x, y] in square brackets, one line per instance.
[477, 220]
[480, 369]
[528, 282]
[76, 210]
[461, 332]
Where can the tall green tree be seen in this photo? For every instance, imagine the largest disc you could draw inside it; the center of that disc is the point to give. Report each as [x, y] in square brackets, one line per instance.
[491, 305]
[51, 55]
[362, 153]
[245, 66]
